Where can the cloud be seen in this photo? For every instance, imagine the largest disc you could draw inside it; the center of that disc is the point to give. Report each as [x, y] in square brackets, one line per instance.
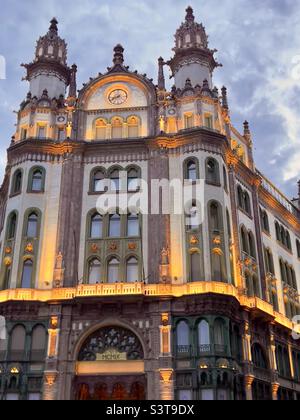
[258, 44]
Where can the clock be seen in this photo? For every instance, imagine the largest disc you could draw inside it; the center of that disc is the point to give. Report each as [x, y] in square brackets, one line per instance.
[118, 97]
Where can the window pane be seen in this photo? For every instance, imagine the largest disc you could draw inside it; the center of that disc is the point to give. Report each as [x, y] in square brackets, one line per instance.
[96, 227]
[185, 395]
[195, 267]
[34, 397]
[132, 275]
[203, 334]
[183, 332]
[27, 275]
[32, 226]
[95, 272]
[113, 271]
[192, 171]
[115, 226]
[99, 182]
[42, 132]
[207, 395]
[12, 397]
[37, 181]
[132, 225]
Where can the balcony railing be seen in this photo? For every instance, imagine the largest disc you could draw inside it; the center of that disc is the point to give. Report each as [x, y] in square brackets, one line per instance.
[184, 351]
[203, 350]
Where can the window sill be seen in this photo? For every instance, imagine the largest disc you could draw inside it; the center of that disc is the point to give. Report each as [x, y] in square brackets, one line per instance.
[15, 194]
[245, 213]
[36, 192]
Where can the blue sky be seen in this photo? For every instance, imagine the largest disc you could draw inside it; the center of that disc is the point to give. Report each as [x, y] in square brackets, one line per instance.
[258, 44]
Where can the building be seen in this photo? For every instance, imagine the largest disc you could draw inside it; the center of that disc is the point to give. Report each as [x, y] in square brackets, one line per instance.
[136, 305]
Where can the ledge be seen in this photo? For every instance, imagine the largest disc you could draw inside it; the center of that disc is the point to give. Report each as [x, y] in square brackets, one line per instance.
[150, 290]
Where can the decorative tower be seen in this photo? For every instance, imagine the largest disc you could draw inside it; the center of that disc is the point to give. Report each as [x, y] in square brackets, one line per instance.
[193, 59]
[49, 71]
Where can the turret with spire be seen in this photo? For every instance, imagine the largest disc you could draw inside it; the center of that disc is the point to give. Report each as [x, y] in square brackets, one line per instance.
[49, 70]
[193, 59]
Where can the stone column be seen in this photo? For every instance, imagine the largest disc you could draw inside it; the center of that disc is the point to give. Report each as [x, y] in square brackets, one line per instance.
[69, 222]
[258, 232]
[231, 162]
[50, 387]
[159, 224]
[246, 339]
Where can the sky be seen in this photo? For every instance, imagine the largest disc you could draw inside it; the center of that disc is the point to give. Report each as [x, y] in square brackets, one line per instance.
[258, 44]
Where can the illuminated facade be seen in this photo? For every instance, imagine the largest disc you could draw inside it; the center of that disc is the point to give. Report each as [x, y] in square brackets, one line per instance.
[142, 306]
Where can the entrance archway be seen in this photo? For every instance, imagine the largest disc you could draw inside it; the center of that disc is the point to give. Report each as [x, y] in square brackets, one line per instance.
[110, 366]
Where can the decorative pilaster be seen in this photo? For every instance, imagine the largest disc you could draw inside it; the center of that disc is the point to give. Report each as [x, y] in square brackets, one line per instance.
[50, 388]
[258, 231]
[165, 336]
[166, 384]
[249, 379]
[246, 339]
[275, 389]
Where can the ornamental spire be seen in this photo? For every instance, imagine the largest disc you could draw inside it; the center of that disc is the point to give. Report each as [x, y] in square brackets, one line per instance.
[118, 55]
[53, 29]
[161, 76]
[190, 18]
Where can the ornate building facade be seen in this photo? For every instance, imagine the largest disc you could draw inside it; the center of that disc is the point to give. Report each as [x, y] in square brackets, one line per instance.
[135, 305]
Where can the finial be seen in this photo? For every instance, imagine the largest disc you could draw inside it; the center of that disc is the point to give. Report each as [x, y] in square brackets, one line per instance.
[73, 84]
[224, 98]
[118, 54]
[190, 14]
[161, 76]
[246, 128]
[53, 26]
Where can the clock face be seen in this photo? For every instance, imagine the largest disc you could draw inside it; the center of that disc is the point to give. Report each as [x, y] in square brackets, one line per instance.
[118, 97]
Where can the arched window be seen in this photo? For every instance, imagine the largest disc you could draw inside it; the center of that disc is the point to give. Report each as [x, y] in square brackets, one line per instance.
[32, 225]
[94, 271]
[212, 171]
[133, 225]
[113, 274]
[115, 180]
[225, 179]
[269, 261]
[203, 334]
[98, 181]
[132, 270]
[115, 226]
[26, 282]
[11, 226]
[240, 197]
[249, 285]
[298, 248]
[256, 288]
[96, 230]
[258, 357]
[191, 170]
[283, 271]
[183, 334]
[252, 248]
[264, 221]
[133, 180]
[38, 344]
[247, 206]
[219, 332]
[17, 343]
[101, 128]
[133, 127]
[17, 182]
[244, 239]
[277, 228]
[195, 270]
[117, 128]
[215, 217]
[288, 240]
[294, 280]
[36, 180]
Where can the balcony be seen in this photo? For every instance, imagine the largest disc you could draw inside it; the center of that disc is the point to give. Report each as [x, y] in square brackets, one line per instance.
[184, 351]
[212, 350]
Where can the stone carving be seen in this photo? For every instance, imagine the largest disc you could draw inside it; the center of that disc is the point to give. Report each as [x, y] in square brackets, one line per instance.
[111, 340]
[59, 271]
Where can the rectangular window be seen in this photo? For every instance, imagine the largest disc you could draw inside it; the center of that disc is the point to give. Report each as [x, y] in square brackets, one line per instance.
[41, 132]
[207, 395]
[185, 395]
[101, 133]
[34, 397]
[208, 121]
[61, 134]
[12, 397]
[23, 134]
[188, 121]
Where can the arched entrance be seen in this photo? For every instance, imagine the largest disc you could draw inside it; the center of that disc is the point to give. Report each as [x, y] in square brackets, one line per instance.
[110, 366]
